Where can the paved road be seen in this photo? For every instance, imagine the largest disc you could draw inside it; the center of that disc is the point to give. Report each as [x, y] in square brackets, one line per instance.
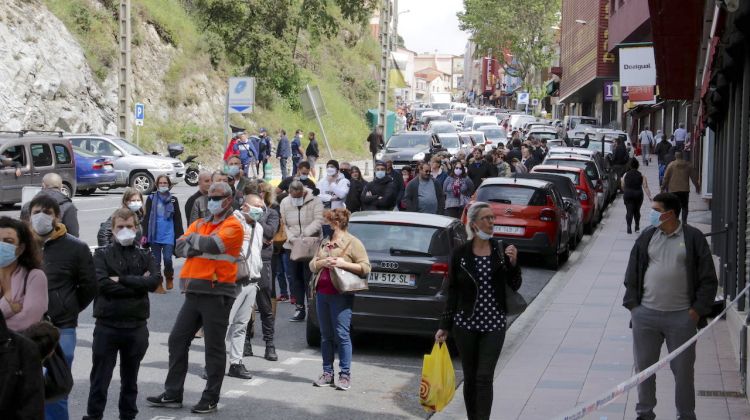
[386, 369]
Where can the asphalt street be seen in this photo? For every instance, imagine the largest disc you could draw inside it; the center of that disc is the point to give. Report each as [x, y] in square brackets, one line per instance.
[385, 370]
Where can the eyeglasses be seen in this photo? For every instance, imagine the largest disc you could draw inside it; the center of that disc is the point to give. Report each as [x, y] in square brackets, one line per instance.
[219, 198]
[487, 218]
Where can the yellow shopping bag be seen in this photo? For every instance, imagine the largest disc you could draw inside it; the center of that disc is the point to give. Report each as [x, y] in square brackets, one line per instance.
[438, 379]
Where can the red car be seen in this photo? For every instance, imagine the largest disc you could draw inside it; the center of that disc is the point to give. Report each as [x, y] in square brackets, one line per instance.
[530, 214]
[586, 191]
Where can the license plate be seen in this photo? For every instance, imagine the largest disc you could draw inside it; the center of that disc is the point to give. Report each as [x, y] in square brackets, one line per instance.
[513, 230]
[108, 167]
[393, 279]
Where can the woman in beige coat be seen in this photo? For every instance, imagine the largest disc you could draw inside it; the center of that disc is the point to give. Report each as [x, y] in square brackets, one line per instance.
[334, 309]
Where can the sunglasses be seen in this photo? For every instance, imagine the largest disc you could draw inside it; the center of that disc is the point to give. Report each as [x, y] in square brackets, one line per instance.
[219, 198]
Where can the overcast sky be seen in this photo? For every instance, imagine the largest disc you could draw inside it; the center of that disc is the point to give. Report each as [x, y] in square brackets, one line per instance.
[432, 25]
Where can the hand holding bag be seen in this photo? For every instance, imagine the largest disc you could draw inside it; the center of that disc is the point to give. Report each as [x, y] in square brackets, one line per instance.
[346, 281]
[515, 303]
[304, 249]
[438, 383]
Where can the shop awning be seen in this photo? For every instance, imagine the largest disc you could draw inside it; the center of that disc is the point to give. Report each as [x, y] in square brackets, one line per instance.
[676, 27]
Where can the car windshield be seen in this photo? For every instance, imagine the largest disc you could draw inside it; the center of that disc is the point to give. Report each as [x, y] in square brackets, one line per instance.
[443, 128]
[441, 106]
[449, 142]
[586, 165]
[543, 135]
[129, 148]
[457, 117]
[573, 176]
[408, 142]
[512, 194]
[381, 237]
[597, 145]
[492, 132]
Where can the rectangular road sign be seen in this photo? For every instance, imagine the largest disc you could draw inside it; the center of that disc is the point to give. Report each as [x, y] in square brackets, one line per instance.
[241, 97]
[523, 98]
[312, 101]
[140, 113]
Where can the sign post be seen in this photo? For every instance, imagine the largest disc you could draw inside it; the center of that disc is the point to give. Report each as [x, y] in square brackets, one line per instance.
[523, 99]
[313, 108]
[240, 100]
[140, 115]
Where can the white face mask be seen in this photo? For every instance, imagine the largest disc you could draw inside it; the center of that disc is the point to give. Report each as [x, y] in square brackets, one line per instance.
[298, 202]
[331, 171]
[125, 237]
[42, 223]
[135, 205]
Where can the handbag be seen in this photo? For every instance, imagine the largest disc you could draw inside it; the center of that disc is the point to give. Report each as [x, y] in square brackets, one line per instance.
[243, 271]
[346, 281]
[280, 236]
[515, 304]
[304, 249]
[58, 380]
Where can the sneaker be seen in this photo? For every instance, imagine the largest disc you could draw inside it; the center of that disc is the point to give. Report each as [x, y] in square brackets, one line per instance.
[299, 316]
[344, 383]
[204, 407]
[238, 370]
[282, 298]
[271, 353]
[248, 350]
[326, 379]
[164, 401]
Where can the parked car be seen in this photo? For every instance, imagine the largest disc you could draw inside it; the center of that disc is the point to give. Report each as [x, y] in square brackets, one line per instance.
[602, 161]
[467, 122]
[584, 188]
[575, 125]
[409, 148]
[530, 214]
[457, 119]
[569, 194]
[34, 155]
[476, 136]
[518, 120]
[410, 254]
[134, 167]
[437, 126]
[93, 172]
[454, 144]
[596, 174]
[482, 120]
[494, 135]
[544, 133]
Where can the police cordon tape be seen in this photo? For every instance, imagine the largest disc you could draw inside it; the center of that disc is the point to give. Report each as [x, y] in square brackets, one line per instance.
[611, 395]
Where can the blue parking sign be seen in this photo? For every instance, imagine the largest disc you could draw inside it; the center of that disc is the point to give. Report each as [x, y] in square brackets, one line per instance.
[140, 113]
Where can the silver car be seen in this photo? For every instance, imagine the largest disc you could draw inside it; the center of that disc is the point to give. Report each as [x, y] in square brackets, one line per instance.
[134, 167]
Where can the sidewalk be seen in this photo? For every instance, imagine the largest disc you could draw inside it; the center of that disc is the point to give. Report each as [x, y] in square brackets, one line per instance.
[573, 343]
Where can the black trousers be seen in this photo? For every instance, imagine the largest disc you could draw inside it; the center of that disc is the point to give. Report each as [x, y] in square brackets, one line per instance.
[633, 202]
[212, 313]
[131, 344]
[479, 354]
[263, 300]
[684, 197]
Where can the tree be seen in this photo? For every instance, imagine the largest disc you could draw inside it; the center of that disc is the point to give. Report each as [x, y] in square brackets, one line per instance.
[522, 28]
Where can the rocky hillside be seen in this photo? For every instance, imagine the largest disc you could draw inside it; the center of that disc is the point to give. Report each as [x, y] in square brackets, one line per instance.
[58, 71]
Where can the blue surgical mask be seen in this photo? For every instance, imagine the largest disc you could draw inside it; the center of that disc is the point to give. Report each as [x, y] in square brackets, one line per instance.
[232, 170]
[255, 213]
[654, 218]
[303, 177]
[484, 235]
[379, 174]
[7, 254]
[163, 190]
[215, 207]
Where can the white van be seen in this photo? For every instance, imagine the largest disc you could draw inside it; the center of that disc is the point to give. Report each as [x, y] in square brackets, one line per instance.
[481, 120]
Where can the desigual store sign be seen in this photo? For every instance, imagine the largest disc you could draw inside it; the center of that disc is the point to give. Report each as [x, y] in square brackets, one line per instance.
[637, 66]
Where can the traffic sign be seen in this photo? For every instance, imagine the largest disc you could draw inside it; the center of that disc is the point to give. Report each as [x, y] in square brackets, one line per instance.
[523, 98]
[241, 97]
[140, 114]
[534, 102]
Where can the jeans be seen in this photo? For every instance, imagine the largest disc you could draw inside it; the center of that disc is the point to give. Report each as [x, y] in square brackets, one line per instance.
[212, 313]
[479, 354]
[335, 318]
[131, 344]
[239, 316]
[295, 163]
[58, 410]
[633, 202]
[300, 275]
[281, 271]
[284, 170]
[684, 197]
[650, 329]
[662, 169]
[646, 148]
[163, 251]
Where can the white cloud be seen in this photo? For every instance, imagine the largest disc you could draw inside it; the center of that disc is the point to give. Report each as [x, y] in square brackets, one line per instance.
[432, 25]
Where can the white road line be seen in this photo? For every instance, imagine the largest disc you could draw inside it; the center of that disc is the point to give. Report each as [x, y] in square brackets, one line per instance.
[255, 382]
[295, 360]
[163, 418]
[234, 393]
[275, 370]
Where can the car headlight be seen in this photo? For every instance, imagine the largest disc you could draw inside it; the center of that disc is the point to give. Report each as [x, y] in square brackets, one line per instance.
[418, 156]
[163, 165]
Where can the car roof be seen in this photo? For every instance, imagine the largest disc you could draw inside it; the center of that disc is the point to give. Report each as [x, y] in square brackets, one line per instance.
[402, 217]
[542, 130]
[562, 156]
[558, 167]
[558, 180]
[572, 150]
[524, 182]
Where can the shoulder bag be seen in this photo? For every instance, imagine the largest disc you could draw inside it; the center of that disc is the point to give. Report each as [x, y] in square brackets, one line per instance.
[346, 281]
[58, 380]
[304, 249]
[515, 303]
[280, 236]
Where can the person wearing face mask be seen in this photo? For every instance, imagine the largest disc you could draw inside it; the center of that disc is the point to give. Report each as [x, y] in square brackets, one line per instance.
[670, 286]
[238, 180]
[52, 186]
[297, 154]
[458, 189]
[334, 187]
[247, 288]
[346, 169]
[302, 215]
[162, 224]
[480, 270]
[204, 181]
[211, 247]
[71, 282]
[424, 194]
[126, 274]
[247, 150]
[132, 199]
[398, 180]
[23, 285]
[283, 153]
[303, 176]
[356, 185]
[479, 169]
[381, 193]
[200, 207]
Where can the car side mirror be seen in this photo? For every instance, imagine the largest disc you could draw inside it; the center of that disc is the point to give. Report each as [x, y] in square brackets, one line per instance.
[116, 153]
[6, 162]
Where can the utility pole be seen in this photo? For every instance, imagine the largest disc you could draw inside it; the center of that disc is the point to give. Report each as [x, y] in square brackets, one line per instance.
[123, 92]
[386, 9]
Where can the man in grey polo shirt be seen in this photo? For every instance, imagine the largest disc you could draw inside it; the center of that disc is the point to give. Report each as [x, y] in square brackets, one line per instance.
[670, 286]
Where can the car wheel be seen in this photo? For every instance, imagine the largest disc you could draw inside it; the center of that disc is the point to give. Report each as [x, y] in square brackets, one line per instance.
[67, 190]
[553, 261]
[312, 333]
[573, 243]
[86, 191]
[143, 182]
[565, 254]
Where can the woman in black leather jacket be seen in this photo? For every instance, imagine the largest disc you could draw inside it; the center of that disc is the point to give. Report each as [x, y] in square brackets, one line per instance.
[131, 199]
[475, 308]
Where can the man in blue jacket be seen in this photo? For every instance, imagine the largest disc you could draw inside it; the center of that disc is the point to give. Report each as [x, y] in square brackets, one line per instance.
[283, 153]
[248, 153]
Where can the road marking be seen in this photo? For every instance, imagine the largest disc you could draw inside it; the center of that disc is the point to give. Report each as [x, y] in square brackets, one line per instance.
[163, 418]
[275, 370]
[295, 360]
[255, 382]
[235, 393]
